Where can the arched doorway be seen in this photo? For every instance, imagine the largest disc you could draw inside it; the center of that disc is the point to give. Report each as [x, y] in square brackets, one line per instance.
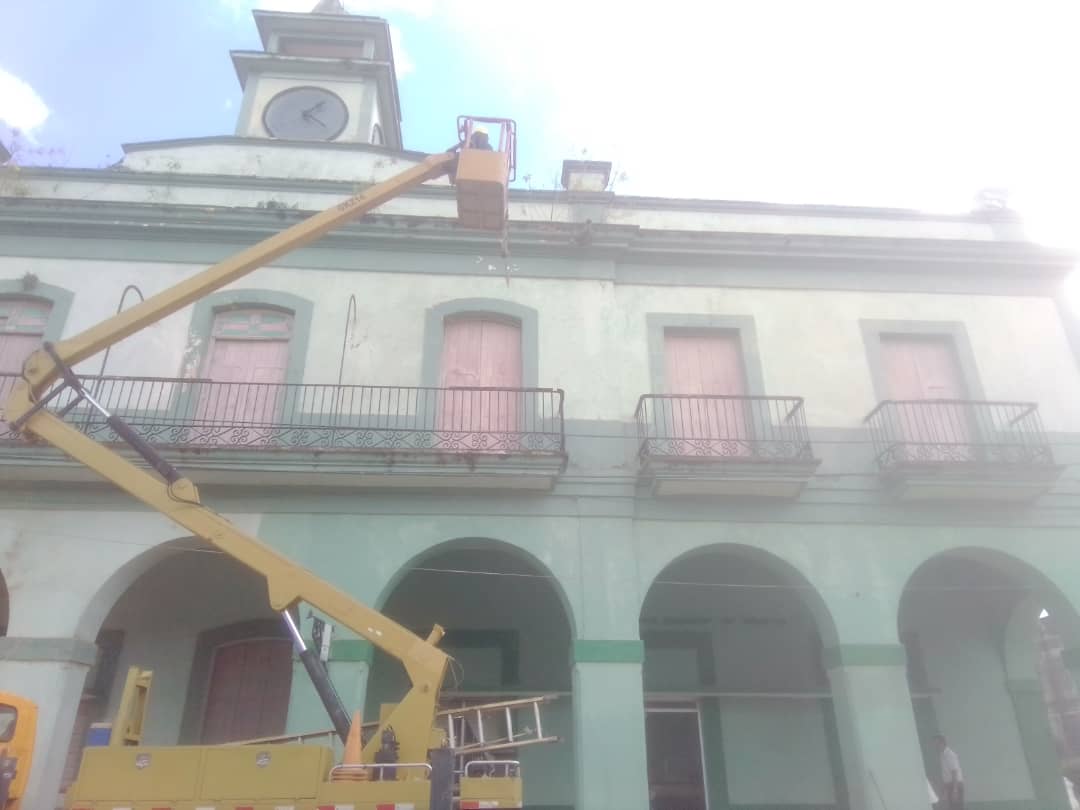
[509, 632]
[738, 705]
[221, 659]
[969, 620]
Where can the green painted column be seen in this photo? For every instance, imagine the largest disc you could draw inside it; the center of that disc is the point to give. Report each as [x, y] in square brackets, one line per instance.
[879, 745]
[1039, 749]
[609, 726]
[51, 672]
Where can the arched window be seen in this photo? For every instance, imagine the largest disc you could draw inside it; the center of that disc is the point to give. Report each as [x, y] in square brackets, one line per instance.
[377, 136]
[246, 364]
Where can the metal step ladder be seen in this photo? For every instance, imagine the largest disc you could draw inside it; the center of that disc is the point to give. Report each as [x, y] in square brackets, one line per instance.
[491, 727]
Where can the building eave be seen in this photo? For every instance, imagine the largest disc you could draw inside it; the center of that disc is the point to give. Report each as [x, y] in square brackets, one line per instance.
[628, 244]
[526, 196]
[246, 62]
[239, 140]
[270, 22]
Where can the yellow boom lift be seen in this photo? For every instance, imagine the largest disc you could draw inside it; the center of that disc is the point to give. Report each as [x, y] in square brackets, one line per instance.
[407, 764]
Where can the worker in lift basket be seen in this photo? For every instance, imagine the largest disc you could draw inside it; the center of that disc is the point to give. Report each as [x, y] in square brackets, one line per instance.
[479, 139]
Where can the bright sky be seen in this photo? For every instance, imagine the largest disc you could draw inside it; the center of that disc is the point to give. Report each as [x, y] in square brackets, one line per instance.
[915, 104]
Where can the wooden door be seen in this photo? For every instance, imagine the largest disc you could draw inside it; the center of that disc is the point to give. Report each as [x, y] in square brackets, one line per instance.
[702, 364]
[248, 693]
[22, 328]
[480, 353]
[923, 371]
[676, 768]
[247, 364]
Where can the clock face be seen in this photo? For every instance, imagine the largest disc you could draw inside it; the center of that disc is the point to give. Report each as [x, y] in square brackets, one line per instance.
[305, 113]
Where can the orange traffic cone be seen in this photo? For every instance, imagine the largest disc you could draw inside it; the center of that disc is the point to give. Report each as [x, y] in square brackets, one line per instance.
[350, 772]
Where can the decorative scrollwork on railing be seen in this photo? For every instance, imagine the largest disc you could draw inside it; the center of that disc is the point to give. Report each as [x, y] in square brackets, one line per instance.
[201, 415]
[723, 428]
[957, 433]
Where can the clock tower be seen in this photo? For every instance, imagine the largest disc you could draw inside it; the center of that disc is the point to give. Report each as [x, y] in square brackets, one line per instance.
[323, 76]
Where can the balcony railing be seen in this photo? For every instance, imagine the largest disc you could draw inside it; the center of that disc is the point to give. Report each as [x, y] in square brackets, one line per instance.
[201, 414]
[940, 432]
[723, 428]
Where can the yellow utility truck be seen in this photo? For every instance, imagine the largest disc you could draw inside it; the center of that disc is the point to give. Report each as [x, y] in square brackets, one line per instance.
[407, 763]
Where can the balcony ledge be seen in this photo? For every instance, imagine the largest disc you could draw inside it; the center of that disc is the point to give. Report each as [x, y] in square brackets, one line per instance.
[725, 477]
[304, 469]
[307, 435]
[724, 445]
[958, 481]
[956, 450]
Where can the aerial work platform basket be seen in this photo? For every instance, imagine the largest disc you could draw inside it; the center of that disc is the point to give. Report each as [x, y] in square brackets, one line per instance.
[486, 165]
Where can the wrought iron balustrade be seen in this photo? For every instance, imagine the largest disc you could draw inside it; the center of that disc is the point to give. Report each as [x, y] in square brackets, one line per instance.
[728, 428]
[954, 431]
[202, 414]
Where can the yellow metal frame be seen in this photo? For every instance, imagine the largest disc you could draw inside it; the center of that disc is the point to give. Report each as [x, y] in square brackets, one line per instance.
[287, 583]
[20, 746]
[131, 715]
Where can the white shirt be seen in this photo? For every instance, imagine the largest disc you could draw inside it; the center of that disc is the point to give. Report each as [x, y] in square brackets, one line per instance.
[950, 762]
[1073, 803]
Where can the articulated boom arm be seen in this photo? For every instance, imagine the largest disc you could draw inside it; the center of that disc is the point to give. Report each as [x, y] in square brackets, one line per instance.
[177, 498]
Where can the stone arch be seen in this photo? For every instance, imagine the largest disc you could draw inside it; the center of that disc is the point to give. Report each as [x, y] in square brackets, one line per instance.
[156, 609]
[786, 572]
[1026, 573]
[514, 550]
[736, 641]
[103, 599]
[969, 617]
[1025, 591]
[509, 629]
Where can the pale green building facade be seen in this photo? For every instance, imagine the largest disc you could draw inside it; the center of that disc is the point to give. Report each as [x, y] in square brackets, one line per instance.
[765, 598]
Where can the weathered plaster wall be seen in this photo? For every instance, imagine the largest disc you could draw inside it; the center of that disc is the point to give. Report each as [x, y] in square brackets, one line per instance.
[810, 343]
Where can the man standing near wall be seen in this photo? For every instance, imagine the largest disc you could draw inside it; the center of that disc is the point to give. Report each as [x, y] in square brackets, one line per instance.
[952, 778]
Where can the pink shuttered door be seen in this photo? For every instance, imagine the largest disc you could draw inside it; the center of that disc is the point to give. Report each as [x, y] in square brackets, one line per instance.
[480, 353]
[248, 694]
[22, 326]
[247, 363]
[926, 368]
[703, 364]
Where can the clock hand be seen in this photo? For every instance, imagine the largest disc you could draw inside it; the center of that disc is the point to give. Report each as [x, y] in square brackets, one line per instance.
[309, 117]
